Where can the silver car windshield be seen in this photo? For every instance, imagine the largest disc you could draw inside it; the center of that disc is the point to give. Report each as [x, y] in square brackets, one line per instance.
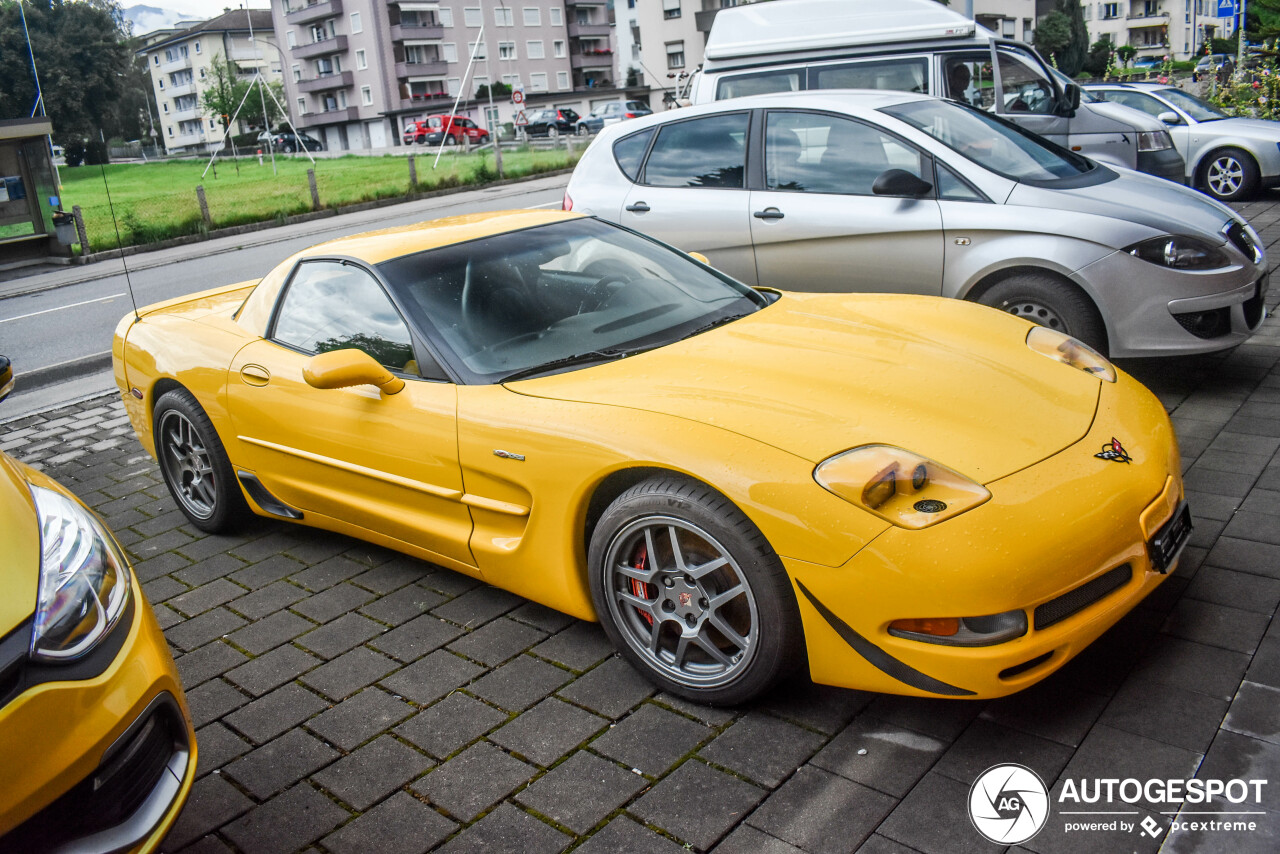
[993, 144]
[1193, 106]
[560, 295]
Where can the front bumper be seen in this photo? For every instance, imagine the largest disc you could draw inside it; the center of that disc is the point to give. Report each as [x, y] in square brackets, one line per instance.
[1166, 163]
[106, 762]
[1047, 532]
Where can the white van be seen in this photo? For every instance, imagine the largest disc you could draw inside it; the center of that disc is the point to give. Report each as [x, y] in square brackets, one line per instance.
[921, 46]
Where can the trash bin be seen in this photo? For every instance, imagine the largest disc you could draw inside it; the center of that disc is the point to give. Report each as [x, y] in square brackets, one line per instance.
[64, 226]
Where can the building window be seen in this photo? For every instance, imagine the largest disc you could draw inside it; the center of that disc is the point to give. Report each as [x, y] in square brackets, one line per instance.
[557, 47]
[366, 96]
[562, 80]
[449, 52]
[557, 16]
[156, 61]
[170, 129]
[356, 25]
[538, 81]
[161, 81]
[291, 38]
[165, 106]
[445, 17]
[201, 73]
[506, 50]
[477, 52]
[534, 50]
[671, 9]
[362, 61]
[471, 16]
[297, 72]
[302, 106]
[1010, 27]
[675, 54]
[452, 85]
[197, 47]
[532, 16]
[503, 17]
[1110, 10]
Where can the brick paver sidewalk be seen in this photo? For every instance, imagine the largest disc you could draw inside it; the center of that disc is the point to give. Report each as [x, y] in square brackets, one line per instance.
[351, 697]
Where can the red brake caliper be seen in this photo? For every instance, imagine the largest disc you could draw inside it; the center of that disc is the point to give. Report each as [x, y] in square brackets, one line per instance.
[638, 587]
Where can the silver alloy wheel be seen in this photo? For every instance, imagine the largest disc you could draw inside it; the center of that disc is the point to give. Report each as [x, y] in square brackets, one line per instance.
[1038, 313]
[553, 132]
[1225, 175]
[582, 130]
[681, 602]
[186, 464]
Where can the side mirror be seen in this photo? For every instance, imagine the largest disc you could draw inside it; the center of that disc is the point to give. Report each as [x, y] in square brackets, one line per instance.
[900, 182]
[1169, 117]
[700, 258]
[6, 377]
[346, 368]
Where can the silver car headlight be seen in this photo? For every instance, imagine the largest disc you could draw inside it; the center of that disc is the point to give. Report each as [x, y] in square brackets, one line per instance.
[1154, 140]
[84, 579]
[1180, 253]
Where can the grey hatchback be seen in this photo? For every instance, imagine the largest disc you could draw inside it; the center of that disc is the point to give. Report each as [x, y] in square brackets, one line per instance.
[889, 191]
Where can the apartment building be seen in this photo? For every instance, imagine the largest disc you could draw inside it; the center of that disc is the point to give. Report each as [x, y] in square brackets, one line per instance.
[1179, 28]
[179, 61]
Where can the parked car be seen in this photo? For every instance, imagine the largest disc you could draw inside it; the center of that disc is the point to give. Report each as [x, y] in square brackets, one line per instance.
[1224, 64]
[289, 142]
[1148, 62]
[1227, 157]
[585, 417]
[889, 191]
[551, 123]
[611, 113]
[451, 129]
[95, 737]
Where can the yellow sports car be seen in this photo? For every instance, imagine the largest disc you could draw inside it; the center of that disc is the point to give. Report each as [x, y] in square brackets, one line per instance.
[96, 748]
[918, 495]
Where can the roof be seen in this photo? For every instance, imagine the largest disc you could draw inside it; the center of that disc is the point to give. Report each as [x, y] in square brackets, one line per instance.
[237, 20]
[374, 247]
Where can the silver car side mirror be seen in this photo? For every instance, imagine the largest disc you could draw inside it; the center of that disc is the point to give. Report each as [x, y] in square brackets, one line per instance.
[1169, 117]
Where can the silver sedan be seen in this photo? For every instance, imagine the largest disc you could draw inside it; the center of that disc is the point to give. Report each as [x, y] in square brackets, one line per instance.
[889, 191]
[1227, 156]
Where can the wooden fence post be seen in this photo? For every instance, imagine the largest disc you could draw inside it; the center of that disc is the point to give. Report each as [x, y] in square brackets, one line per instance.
[315, 191]
[413, 174]
[204, 205]
[80, 230]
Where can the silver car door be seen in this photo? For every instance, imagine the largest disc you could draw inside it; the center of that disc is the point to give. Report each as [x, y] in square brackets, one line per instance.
[692, 192]
[817, 225]
[1026, 94]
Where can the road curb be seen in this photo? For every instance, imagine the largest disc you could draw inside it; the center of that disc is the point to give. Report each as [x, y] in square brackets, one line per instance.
[63, 371]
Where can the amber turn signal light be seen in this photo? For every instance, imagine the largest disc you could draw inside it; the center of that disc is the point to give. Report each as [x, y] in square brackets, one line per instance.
[940, 626]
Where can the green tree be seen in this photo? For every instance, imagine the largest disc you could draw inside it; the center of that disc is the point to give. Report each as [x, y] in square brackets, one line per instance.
[1053, 33]
[225, 90]
[1099, 57]
[1071, 58]
[1126, 53]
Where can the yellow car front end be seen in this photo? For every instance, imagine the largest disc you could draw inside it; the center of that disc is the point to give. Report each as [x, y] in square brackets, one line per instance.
[96, 743]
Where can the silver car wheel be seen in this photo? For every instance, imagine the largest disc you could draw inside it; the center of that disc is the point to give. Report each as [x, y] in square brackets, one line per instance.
[553, 132]
[187, 465]
[1037, 313]
[681, 602]
[1225, 175]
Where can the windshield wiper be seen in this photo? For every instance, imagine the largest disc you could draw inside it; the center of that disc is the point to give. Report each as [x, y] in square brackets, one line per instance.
[713, 324]
[576, 359]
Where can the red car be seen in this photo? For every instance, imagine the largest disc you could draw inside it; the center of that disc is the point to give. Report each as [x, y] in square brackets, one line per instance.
[452, 129]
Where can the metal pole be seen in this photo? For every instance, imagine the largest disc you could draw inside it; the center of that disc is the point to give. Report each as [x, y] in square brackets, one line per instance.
[39, 104]
[266, 120]
[493, 132]
[1240, 42]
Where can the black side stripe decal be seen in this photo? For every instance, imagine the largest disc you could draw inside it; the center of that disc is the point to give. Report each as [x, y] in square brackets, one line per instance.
[882, 660]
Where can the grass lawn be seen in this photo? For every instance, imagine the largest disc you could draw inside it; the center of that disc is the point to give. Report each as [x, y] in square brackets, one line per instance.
[156, 201]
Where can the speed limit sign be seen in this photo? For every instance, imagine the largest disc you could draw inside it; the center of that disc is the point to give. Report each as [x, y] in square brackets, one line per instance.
[517, 96]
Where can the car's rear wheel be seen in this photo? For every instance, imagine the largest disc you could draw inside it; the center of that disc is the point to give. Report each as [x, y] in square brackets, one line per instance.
[691, 593]
[1050, 302]
[582, 130]
[288, 148]
[1230, 174]
[195, 465]
[553, 132]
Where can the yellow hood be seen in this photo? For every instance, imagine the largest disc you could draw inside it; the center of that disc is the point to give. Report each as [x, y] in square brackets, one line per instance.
[816, 374]
[20, 570]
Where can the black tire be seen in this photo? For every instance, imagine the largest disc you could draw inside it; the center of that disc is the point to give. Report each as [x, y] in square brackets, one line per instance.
[450, 140]
[553, 133]
[1050, 302]
[695, 636]
[1229, 174]
[288, 148]
[195, 465]
[582, 130]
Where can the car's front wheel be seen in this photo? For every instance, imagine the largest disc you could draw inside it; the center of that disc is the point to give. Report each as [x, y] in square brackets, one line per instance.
[582, 130]
[1049, 302]
[1230, 175]
[195, 465]
[691, 593]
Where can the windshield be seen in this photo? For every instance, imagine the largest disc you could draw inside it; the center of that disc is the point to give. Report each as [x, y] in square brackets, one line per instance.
[1193, 106]
[997, 145]
[512, 302]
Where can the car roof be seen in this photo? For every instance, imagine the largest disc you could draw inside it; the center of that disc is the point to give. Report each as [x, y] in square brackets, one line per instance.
[1137, 85]
[374, 247]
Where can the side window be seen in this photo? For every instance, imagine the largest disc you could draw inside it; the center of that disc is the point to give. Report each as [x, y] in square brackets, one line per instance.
[629, 151]
[760, 83]
[1138, 101]
[709, 152]
[967, 78]
[1023, 87]
[952, 187]
[902, 75]
[332, 306]
[817, 153]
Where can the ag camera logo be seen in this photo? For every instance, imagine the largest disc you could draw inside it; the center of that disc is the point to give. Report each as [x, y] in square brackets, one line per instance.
[1008, 804]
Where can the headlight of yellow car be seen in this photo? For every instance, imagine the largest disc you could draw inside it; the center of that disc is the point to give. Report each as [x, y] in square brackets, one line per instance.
[84, 580]
[903, 488]
[1067, 350]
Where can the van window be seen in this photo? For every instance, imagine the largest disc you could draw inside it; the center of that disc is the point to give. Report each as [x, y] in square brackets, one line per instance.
[819, 153]
[709, 152]
[760, 83]
[629, 151]
[902, 75]
[967, 78]
[1023, 87]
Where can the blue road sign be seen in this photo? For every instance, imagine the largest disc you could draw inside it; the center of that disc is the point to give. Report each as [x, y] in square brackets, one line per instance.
[1227, 8]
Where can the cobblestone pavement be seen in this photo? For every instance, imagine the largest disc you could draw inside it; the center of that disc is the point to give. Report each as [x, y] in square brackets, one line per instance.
[353, 699]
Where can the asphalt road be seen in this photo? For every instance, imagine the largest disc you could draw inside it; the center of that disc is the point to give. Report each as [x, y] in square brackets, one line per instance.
[72, 325]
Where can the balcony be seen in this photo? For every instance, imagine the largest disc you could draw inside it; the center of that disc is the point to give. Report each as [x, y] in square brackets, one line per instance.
[183, 140]
[314, 12]
[430, 101]
[188, 114]
[434, 68]
[337, 44]
[402, 32]
[1154, 17]
[326, 82]
[703, 20]
[181, 89]
[176, 64]
[591, 60]
[577, 30]
[331, 117]
[572, 3]
[415, 5]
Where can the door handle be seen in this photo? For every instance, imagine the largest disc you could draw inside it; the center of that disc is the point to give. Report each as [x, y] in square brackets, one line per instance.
[638, 207]
[769, 213]
[255, 375]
